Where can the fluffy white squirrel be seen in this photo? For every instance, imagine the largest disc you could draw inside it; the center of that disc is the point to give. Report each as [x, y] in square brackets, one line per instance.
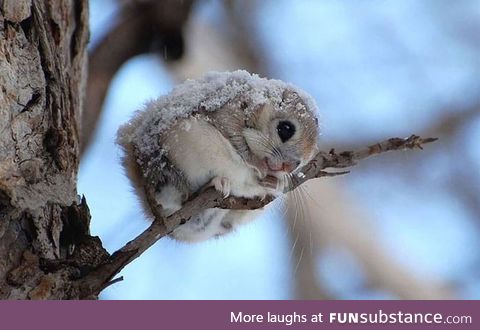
[243, 134]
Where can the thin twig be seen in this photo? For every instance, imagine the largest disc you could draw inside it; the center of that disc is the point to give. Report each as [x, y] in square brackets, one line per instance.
[210, 198]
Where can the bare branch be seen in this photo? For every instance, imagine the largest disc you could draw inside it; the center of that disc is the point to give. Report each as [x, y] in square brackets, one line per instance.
[142, 27]
[210, 198]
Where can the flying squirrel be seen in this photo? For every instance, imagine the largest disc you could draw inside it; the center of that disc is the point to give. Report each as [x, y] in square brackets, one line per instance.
[242, 134]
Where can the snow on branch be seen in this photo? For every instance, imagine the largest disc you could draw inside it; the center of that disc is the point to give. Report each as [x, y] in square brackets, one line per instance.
[210, 198]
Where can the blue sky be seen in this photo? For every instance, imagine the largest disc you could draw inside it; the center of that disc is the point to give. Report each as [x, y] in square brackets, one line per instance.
[377, 69]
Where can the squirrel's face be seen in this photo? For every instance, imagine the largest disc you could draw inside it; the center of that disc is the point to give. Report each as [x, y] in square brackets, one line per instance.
[282, 140]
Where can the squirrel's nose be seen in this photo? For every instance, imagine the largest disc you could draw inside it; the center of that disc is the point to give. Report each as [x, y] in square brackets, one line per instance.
[290, 166]
[286, 167]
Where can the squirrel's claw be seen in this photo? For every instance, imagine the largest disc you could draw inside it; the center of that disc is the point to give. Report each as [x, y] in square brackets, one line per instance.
[222, 185]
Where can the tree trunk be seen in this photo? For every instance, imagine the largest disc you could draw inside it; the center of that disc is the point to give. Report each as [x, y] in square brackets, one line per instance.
[44, 242]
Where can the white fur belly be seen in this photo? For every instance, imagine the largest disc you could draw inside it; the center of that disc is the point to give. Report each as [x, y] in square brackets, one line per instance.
[213, 223]
[201, 152]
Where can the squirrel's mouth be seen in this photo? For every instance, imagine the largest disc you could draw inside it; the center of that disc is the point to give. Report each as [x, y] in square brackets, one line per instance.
[277, 168]
[268, 167]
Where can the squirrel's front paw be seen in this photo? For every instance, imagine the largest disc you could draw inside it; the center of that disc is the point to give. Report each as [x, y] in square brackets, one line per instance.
[221, 184]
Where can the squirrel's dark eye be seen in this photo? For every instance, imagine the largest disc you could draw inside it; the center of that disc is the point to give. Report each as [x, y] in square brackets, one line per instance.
[285, 130]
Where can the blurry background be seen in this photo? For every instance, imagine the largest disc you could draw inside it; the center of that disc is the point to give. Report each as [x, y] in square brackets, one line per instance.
[403, 225]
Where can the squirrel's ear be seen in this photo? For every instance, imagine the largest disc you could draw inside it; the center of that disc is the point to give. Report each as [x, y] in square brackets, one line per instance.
[263, 116]
[260, 117]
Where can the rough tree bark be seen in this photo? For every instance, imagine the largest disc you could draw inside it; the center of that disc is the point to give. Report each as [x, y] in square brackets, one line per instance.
[42, 78]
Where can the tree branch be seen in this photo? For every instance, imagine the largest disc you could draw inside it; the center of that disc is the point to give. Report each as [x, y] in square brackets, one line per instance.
[210, 198]
[142, 27]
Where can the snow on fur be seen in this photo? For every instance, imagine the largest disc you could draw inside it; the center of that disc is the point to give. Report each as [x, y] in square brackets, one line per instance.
[208, 93]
